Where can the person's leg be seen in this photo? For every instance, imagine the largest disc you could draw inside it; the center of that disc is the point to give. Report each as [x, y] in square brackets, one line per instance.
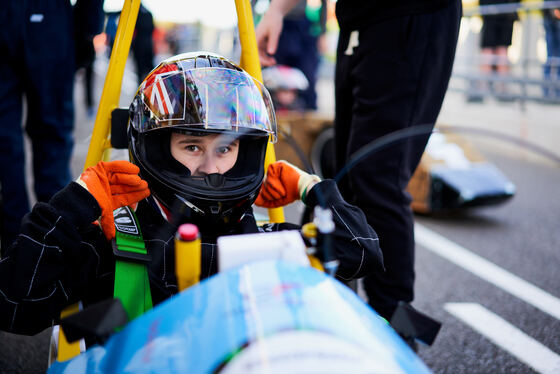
[143, 57]
[502, 63]
[88, 77]
[88, 81]
[488, 44]
[549, 38]
[49, 52]
[15, 202]
[488, 41]
[556, 53]
[369, 104]
[553, 50]
[399, 75]
[309, 65]
[487, 60]
[504, 31]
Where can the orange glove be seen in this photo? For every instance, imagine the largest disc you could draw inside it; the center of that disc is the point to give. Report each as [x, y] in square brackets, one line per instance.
[113, 184]
[284, 183]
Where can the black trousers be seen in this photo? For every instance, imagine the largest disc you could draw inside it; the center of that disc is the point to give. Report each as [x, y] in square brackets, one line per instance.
[393, 76]
[37, 46]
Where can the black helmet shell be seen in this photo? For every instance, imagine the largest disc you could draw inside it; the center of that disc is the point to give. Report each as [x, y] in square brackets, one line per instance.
[201, 93]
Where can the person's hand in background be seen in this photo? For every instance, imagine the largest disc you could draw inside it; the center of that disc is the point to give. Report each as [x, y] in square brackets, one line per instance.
[269, 28]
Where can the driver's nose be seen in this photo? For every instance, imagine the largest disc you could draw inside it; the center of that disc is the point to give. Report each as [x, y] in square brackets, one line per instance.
[207, 166]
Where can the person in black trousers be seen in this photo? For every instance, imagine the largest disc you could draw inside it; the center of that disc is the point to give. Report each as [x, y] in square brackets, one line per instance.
[37, 44]
[298, 47]
[394, 61]
[90, 18]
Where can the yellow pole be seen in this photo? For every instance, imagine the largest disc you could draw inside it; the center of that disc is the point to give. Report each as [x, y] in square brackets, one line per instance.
[99, 139]
[67, 350]
[251, 64]
[113, 82]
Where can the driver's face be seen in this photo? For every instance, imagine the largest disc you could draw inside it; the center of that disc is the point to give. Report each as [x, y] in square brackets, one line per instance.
[202, 155]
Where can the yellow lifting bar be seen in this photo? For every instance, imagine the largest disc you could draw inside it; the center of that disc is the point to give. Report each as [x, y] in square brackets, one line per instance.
[100, 143]
[113, 81]
[251, 64]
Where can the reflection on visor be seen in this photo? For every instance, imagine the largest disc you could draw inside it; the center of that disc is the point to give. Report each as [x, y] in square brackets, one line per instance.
[212, 98]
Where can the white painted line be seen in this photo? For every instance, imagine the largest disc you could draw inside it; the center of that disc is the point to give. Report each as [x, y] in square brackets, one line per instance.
[506, 336]
[487, 270]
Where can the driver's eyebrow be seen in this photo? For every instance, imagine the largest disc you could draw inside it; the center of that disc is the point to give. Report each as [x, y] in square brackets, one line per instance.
[191, 139]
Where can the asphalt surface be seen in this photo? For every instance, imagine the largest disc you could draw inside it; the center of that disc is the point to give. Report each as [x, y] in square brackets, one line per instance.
[521, 236]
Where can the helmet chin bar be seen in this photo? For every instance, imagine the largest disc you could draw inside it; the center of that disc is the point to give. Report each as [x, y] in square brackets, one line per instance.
[215, 180]
[214, 219]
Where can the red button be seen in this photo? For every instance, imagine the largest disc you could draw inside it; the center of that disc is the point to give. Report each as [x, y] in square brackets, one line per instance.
[188, 232]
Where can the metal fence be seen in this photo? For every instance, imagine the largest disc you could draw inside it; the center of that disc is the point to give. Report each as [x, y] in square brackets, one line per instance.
[525, 62]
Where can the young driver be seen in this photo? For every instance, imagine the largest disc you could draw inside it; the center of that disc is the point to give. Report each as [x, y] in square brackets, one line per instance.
[198, 131]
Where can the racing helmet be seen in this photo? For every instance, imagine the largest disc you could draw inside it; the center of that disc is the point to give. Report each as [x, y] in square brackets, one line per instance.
[284, 77]
[201, 93]
[285, 84]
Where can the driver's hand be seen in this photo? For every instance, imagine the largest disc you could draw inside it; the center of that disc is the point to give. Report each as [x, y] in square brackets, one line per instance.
[113, 184]
[284, 183]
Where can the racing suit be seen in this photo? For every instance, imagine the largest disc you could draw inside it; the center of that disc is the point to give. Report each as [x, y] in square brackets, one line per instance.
[60, 257]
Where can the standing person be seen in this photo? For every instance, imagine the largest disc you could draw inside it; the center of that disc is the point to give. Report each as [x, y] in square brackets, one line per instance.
[551, 23]
[142, 44]
[38, 62]
[394, 62]
[299, 45]
[496, 34]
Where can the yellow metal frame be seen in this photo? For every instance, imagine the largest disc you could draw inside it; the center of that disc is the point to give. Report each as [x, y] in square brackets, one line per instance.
[66, 350]
[100, 143]
[113, 81]
[251, 64]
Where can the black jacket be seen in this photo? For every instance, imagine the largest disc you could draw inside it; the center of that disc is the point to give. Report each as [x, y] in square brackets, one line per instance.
[60, 257]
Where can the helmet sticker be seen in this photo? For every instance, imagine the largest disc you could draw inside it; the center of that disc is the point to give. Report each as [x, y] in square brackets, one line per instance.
[163, 91]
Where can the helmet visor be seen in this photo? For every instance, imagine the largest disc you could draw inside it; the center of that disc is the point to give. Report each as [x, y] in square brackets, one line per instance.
[205, 99]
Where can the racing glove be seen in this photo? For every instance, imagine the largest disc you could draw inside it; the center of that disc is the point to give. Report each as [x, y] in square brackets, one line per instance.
[113, 184]
[284, 183]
